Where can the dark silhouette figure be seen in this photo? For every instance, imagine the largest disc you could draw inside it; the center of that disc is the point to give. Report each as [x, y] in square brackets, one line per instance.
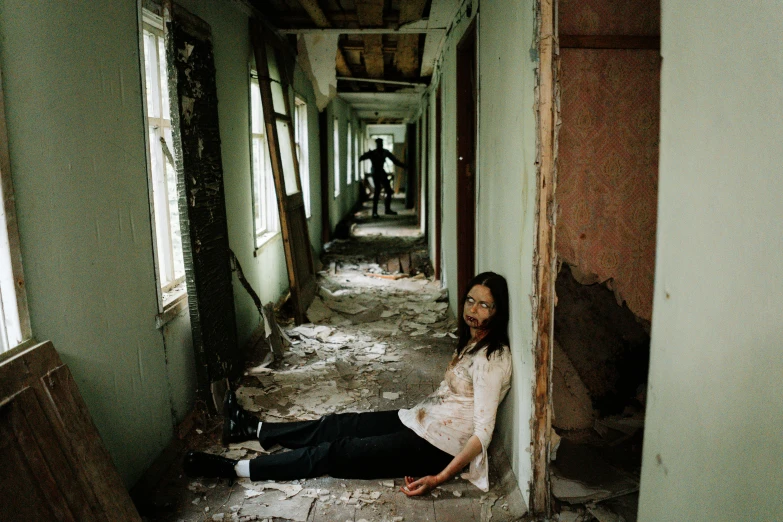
[378, 157]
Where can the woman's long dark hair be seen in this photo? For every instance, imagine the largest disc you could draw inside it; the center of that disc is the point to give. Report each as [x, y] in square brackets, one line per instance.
[497, 337]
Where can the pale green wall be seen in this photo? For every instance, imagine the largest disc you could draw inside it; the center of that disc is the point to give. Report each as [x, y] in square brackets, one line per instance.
[506, 212]
[349, 194]
[76, 131]
[73, 97]
[506, 190]
[712, 442]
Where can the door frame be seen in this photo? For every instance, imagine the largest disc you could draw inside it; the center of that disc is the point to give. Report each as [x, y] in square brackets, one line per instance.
[467, 139]
[545, 256]
[438, 180]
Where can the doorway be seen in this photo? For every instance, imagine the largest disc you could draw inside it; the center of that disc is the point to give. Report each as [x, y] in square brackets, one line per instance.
[466, 157]
[606, 192]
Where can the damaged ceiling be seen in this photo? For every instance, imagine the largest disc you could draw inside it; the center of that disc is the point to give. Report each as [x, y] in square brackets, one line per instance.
[384, 50]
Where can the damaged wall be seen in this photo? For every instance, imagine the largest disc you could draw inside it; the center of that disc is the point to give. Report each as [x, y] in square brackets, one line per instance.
[506, 214]
[610, 105]
[712, 440]
[506, 189]
[80, 175]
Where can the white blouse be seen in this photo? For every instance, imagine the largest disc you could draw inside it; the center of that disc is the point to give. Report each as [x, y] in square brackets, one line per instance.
[465, 404]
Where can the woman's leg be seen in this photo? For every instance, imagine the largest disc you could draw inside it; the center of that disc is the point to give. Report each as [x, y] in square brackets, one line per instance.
[394, 454]
[329, 428]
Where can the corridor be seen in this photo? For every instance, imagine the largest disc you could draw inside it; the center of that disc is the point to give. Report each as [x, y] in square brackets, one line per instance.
[377, 341]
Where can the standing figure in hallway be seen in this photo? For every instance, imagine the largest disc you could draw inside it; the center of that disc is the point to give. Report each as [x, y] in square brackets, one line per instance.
[434, 440]
[378, 158]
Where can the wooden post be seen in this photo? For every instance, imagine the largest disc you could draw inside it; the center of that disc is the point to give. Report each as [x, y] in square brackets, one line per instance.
[545, 252]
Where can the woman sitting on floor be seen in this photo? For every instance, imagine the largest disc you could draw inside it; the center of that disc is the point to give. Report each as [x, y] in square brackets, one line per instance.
[434, 440]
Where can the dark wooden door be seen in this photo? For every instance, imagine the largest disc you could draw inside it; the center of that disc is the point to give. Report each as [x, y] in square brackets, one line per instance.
[466, 158]
[273, 83]
[54, 465]
[202, 205]
[438, 181]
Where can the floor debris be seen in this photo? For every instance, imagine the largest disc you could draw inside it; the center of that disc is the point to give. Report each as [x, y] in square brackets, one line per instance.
[372, 343]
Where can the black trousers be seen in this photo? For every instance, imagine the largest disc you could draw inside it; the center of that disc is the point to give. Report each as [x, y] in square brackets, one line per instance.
[381, 181]
[347, 445]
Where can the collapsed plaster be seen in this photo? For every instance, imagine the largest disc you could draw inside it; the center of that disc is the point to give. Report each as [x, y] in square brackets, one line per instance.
[316, 56]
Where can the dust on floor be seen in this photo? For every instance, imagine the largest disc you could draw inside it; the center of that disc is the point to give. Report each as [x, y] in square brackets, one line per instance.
[375, 343]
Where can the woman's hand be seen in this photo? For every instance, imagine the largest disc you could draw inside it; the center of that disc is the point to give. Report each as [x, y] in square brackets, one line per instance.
[414, 488]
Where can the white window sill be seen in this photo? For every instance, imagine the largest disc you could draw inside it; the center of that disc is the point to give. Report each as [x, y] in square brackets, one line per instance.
[174, 302]
[266, 240]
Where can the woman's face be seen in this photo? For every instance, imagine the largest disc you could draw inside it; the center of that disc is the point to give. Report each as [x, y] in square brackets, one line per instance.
[479, 307]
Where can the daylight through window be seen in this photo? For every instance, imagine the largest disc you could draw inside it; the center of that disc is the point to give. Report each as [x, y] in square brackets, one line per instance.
[302, 153]
[266, 221]
[163, 176]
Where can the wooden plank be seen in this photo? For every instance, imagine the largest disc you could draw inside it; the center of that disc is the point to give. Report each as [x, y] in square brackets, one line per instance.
[406, 57]
[293, 223]
[370, 14]
[315, 13]
[88, 451]
[411, 10]
[466, 158]
[24, 498]
[438, 178]
[202, 205]
[71, 481]
[570, 41]
[50, 448]
[545, 255]
[24, 434]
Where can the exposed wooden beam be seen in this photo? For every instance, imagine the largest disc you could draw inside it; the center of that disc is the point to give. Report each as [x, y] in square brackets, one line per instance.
[406, 58]
[342, 65]
[545, 256]
[370, 13]
[319, 18]
[411, 10]
[315, 12]
[338, 18]
[571, 41]
[389, 82]
[373, 55]
[358, 45]
[362, 30]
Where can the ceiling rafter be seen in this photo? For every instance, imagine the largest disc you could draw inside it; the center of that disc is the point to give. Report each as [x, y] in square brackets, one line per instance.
[319, 18]
[406, 57]
[370, 14]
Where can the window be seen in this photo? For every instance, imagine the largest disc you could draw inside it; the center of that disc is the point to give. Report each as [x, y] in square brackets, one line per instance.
[266, 221]
[162, 172]
[349, 155]
[336, 145]
[300, 136]
[14, 319]
[356, 155]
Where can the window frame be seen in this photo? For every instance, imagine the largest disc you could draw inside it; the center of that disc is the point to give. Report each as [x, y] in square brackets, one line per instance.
[13, 296]
[171, 288]
[302, 144]
[336, 153]
[349, 153]
[264, 205]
